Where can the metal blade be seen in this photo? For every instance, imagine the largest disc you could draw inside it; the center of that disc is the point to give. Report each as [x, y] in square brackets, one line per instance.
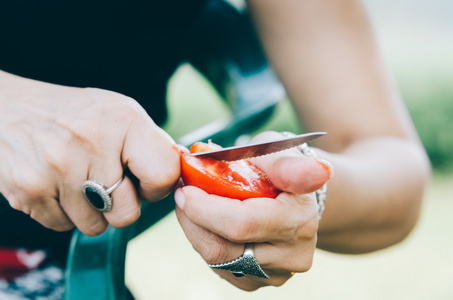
[259, 149]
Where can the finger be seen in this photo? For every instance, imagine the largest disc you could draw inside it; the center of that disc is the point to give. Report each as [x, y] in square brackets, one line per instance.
[51, 215]
[47, 212]
[252, 283]
[84, 216]
[276, 259]
[285, 258]
[125, 205]
[290, 170]
[252, 220]
[37, 197]
[298, 175]
[213, 248]
[151, 156]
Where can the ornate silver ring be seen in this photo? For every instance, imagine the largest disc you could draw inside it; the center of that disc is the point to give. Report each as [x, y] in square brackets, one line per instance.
[245, 264]
[321, 193]
[99, 195]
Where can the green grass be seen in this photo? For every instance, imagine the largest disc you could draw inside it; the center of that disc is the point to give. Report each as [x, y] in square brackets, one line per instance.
[430, 102]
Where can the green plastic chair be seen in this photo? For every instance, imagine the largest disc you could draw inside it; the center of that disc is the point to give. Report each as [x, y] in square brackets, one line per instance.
[242, 77]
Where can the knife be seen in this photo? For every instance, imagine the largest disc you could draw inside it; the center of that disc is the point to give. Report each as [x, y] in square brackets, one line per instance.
[259, 149]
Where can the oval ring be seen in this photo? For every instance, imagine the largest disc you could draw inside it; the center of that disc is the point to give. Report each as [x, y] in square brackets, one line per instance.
[99, 195]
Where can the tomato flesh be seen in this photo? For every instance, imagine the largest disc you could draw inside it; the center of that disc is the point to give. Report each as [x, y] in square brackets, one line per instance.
[238, 179]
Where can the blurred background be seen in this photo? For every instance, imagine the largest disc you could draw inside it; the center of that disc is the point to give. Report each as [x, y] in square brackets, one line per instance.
[416, 39]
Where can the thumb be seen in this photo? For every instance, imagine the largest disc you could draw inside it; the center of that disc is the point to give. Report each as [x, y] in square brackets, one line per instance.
[151, 156]
[298, 175]
[290, 170]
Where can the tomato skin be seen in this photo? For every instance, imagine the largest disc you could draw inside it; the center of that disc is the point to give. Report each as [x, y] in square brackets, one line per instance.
[202, 147]
[238, 179]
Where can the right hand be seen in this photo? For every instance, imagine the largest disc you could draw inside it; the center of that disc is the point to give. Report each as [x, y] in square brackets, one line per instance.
[53, 138]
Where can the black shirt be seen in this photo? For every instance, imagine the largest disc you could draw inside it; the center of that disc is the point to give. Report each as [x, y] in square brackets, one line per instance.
[131, 47]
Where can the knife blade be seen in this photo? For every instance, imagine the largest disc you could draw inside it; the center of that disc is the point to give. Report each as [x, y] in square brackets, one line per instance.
[259, 149]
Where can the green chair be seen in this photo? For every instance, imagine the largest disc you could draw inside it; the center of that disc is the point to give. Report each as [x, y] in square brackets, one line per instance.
[239, 72]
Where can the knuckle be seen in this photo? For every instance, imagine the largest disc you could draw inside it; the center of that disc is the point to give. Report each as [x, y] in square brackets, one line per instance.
[213, 255]
[95, 229]
[213, 250]
[303, 265]
[25, 207]
[302, 258]
[13, 201]
[61, 227]
[31, 185]
[58, 161]
[161, 185]
[117, 102]
[57, 222]
[308, 230]
[125, 219]
[307, 224]
[165, 182]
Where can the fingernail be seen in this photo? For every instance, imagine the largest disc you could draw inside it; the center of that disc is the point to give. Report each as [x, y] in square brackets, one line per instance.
[180, 198]
[327, 166]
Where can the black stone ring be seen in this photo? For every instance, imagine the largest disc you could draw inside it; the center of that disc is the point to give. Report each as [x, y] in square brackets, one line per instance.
[98, 195]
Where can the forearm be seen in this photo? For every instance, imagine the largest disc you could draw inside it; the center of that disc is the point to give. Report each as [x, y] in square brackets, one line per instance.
[374, 198]
[326, 57]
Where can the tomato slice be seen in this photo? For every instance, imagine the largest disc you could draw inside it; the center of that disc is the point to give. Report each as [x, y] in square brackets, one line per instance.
[237, 179]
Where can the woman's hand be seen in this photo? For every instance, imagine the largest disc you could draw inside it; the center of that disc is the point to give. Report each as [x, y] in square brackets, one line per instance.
[53, 138]
[283, 230]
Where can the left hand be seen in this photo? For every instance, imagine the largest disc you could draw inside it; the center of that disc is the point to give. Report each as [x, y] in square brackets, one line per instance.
[283, 230]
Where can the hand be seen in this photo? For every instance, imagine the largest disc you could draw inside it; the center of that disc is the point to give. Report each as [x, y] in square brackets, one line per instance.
[283, 230]
[53, 138]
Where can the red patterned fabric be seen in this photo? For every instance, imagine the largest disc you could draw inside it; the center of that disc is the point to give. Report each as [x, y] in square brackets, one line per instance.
[16, 262]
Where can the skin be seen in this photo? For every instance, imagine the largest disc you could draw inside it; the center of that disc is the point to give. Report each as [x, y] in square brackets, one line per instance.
[52, 138]
[326, 56]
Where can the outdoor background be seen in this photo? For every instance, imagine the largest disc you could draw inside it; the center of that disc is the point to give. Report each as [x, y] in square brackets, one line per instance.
[416, 38]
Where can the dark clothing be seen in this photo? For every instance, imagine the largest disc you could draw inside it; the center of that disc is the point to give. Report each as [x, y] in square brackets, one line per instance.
[18, 230]
[131, 47]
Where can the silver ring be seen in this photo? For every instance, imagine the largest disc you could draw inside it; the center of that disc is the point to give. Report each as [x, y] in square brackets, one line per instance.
[98, 195]
[245, 264]
[321, 194]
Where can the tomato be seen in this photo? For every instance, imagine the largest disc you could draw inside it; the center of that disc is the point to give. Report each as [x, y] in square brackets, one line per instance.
[237, 179]
[201, 147]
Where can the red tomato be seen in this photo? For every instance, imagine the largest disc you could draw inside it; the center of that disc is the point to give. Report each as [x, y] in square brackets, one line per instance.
[201, 147]
[237, 179]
